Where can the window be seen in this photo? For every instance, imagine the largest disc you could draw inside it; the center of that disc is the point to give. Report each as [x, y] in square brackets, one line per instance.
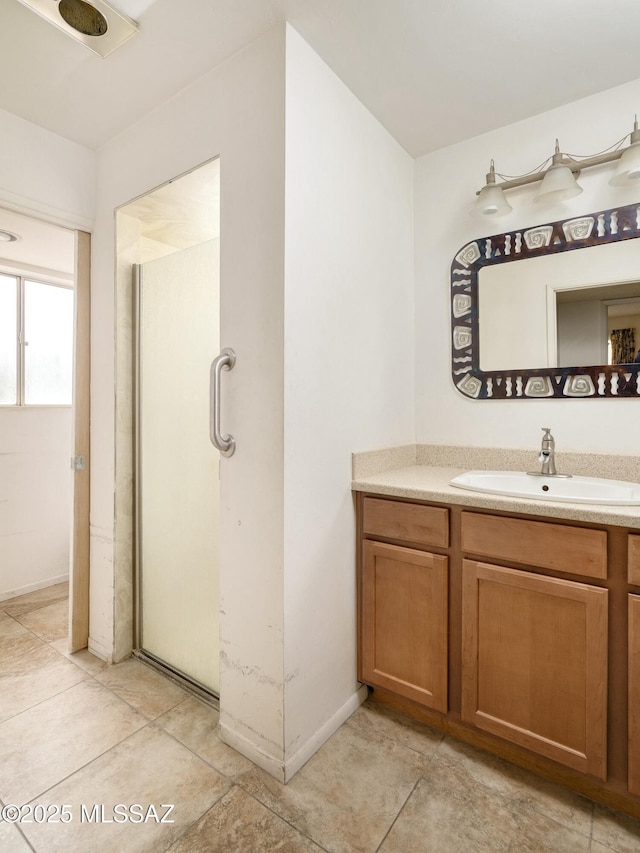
[36, 343]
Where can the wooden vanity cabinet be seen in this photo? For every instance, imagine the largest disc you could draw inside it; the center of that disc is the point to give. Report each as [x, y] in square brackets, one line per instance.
[534, 647]
[515, 633]
[404, 600]
[634, 693]
[404, 622]
[534, 663]
[540, 544]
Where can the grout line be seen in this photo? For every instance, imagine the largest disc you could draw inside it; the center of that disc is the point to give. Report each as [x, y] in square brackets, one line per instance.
[140, 713]
[295, 828]
[88, 763]
[459, 772]
[30, 630]
[19, 828]
[186, 746]
[36, 607]
[401, 809]
[41, 702]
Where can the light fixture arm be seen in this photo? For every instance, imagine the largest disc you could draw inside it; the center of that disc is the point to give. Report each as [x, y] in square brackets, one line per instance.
[560, 159]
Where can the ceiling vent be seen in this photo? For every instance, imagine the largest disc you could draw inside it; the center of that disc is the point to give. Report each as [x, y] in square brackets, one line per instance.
[96, 24]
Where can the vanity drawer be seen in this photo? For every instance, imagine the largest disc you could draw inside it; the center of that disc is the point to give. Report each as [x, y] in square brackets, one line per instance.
[633, 568]
[575, 550]
[428, 525]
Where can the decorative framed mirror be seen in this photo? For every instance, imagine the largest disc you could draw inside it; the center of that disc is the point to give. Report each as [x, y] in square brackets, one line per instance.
[551, 311]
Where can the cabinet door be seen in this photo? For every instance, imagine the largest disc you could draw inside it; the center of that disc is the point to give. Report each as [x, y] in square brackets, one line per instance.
[404, 622]
[634, 560]
[634, 694]
[534, 665]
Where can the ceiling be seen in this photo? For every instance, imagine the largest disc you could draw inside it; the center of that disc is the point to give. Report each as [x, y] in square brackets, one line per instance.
[433, 72]
[180, 214]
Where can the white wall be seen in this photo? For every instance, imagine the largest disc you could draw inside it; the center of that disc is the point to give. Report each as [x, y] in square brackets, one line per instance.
[236, 112]
[446, 182]
[582, 333]
[52, 178]
[348, 370]
[35, 497]
[44, 174]
[287, 617]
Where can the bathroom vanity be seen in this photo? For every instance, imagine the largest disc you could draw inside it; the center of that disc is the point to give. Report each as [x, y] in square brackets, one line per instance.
[511, 624]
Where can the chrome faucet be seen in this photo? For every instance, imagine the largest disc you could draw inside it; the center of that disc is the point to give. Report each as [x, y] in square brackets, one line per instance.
[547, 457]
[548, 453]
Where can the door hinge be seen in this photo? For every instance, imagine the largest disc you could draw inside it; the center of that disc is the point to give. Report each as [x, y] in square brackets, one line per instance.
[78, 463]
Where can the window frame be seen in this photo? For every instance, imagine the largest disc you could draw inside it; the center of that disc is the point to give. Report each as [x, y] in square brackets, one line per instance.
[21, 278]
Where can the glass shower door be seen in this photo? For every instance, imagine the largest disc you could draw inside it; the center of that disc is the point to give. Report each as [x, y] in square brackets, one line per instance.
[177, 483]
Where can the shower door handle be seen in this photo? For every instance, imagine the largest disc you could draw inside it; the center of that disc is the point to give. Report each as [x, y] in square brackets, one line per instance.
[225, 443]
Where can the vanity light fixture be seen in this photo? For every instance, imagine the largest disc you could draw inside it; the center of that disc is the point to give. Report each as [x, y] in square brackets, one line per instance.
[558, 176]
[491, 200]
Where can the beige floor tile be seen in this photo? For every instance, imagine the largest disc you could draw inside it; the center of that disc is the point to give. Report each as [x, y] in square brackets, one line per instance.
[373, 720]
[11, 840]
[50, 622]
[240, 824]
[29, 679]
[16, 640]
[528, 790]
[196, 726]
[43, 745]
[84, 659]
[617, 831]
[34, 600]
[144, 689]
[148, 769]
[450, 814]
[346, 797]
[596, 847]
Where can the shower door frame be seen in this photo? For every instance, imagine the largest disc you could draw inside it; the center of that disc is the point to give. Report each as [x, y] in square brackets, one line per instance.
[162, 666]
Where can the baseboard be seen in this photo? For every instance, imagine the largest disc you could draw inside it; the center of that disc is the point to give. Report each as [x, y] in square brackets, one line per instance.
[285, 770]
[34, 587]
[247, 747]
[100, 651]
[322, 735]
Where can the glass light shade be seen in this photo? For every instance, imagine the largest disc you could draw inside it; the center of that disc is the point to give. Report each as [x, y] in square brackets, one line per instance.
[628, 170]
[491, 202]
[558, 184]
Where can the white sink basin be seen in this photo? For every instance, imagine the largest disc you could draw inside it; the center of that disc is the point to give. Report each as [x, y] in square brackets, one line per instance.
[591, 490]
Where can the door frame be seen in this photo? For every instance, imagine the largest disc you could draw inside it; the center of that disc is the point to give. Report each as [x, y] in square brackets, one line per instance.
[79, 569]
[80, 523]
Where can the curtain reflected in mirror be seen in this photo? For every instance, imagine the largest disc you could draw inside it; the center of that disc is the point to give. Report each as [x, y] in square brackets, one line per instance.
[623, 346]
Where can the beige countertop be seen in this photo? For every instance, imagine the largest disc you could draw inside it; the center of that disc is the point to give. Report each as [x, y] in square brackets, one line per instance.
[432, 483]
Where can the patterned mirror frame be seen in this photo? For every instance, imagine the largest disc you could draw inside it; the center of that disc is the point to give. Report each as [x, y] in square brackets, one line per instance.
[607, 226]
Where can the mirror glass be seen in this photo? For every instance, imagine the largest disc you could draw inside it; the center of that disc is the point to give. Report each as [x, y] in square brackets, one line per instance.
[570, 302]
[533, 317]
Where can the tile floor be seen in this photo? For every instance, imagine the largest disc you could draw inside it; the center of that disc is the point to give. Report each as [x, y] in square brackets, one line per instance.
[76, 732]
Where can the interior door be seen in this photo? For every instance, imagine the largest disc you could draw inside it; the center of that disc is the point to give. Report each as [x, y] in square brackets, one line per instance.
[177, 482]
